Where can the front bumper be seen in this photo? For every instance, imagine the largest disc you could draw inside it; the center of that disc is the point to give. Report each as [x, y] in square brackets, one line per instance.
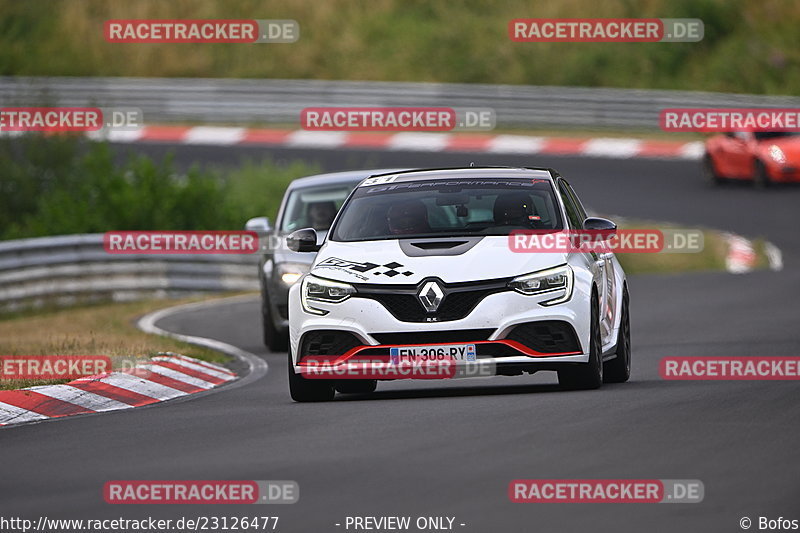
[492, 326]
[784, 173]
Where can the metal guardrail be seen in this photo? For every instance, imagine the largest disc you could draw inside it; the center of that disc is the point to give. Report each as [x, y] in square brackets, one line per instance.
[75, 268]
[238, 101]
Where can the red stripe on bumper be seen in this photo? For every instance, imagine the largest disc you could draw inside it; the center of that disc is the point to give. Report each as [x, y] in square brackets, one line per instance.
[524, 350]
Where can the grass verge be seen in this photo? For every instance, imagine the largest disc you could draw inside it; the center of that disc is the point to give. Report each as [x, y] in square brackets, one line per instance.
[711, 258]
[101, 329]
[747, 46]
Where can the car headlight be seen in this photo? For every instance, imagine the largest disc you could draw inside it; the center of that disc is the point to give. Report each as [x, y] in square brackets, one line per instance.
[314, 289]
[544, 281]
[777, 154]
[289, 273]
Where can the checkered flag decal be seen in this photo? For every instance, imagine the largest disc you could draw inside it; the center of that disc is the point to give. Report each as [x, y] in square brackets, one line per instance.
[392, 270]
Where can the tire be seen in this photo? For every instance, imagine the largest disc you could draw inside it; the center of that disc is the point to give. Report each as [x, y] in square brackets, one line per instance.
[309, 390]
[356, 386]
[586, 376]
[618, 370]
[277, 340]
[709, 172]
[760, 177]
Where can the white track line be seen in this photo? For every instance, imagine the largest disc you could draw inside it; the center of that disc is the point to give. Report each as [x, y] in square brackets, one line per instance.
[620, 148]
[215, 135]
[257, 367]
[516, 144]
[316, 139]
[424, 142]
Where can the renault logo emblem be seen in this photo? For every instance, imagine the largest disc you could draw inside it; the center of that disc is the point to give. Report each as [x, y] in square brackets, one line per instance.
[430, 296]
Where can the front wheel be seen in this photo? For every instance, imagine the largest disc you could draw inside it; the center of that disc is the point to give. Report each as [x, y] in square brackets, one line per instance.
[309, 390]
[709, 172]
[585, 376]
[276, 339]
[760, 176]
[618, 370]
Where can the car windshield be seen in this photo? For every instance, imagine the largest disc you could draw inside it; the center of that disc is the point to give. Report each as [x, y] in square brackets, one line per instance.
[448, 208]
[764, 135]
[314, 207]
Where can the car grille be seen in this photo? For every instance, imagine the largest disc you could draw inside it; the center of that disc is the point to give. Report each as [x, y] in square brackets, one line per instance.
[433, 337]
[546, 336]
[459, 299]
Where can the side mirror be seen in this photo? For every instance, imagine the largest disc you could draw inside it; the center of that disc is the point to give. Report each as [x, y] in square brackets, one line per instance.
[605, 227]
[303, 240]
[260, 225]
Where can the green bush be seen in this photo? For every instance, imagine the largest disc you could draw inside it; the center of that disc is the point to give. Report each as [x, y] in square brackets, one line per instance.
[749, 45]
[61, 185]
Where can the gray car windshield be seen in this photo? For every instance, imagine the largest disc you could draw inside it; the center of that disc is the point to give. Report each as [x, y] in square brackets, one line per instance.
[448, 208]
[314, 207]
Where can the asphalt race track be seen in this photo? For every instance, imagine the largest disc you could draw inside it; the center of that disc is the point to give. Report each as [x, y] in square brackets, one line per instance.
[451, 449]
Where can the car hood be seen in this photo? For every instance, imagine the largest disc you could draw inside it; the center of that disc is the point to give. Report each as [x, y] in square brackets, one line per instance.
[790, 146]
[387, 262]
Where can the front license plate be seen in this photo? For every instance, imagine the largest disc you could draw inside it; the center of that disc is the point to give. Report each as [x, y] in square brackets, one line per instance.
[444, 352]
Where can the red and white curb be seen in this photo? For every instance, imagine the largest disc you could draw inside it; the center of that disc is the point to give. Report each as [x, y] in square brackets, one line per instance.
[166, 377]
[162, 378]
[410, 141]
[741, 256]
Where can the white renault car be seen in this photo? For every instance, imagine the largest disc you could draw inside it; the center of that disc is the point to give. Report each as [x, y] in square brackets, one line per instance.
[418, 268]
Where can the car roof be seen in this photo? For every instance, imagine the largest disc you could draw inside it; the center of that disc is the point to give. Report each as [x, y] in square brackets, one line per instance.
[460, 173]
[336, 178]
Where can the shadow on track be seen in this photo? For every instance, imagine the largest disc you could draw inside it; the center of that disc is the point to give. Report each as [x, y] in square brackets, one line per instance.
[494, 390]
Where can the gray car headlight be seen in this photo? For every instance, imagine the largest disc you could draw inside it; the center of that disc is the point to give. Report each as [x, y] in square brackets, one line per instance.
[777, 154]
[314, 289]
[289, 273]
[545, 281]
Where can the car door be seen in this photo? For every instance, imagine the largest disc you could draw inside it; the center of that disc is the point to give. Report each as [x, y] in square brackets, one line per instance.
[736, 159]
[602, 264]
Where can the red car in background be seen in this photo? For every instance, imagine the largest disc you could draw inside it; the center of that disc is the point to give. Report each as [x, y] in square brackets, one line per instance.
[761, 157]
